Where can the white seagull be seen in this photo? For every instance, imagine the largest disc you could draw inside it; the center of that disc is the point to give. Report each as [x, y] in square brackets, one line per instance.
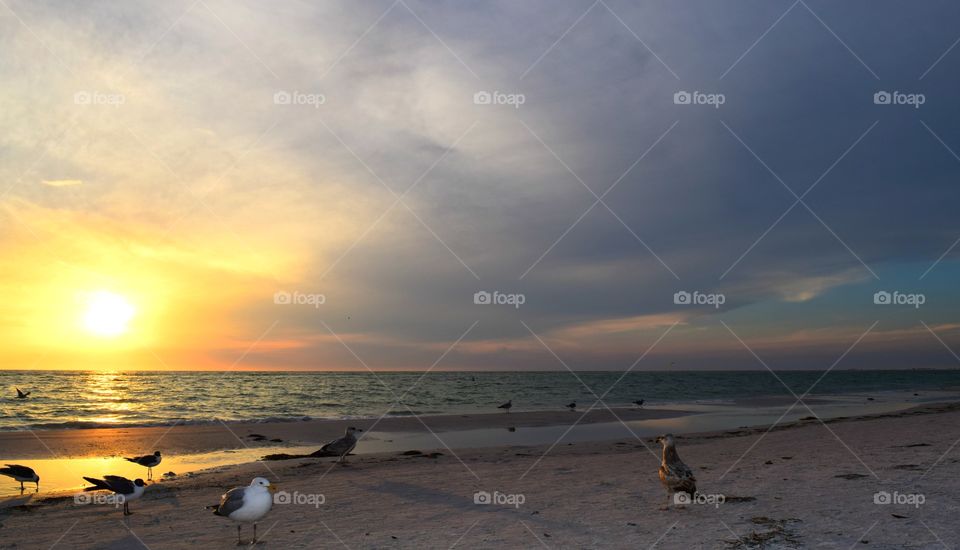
[150, 461]
[341, 446]
[675, 476]
[247, 504]
[129, 490]
[508, 405]
[21, 474]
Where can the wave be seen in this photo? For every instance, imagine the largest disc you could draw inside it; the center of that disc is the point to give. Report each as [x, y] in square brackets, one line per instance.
[90, 424]
[69, 400]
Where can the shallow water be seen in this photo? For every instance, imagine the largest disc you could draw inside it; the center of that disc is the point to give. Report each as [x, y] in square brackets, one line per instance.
[66, 474]
[73, 399]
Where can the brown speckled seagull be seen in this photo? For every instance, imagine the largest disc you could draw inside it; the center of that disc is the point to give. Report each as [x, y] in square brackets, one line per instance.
[675, 476]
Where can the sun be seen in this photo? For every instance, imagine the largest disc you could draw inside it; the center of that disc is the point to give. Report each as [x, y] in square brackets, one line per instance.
[107, 314]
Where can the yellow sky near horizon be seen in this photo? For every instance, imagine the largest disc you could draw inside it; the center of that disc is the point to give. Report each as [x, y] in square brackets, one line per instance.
[181, 291]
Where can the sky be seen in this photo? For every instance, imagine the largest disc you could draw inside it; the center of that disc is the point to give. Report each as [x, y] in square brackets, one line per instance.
[480, 185]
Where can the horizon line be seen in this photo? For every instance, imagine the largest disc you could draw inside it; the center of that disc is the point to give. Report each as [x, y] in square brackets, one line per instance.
[498, 371]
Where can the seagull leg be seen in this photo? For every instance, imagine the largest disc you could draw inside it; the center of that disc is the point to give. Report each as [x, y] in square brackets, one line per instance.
[21, 486]
[239, 540]
[254, 533]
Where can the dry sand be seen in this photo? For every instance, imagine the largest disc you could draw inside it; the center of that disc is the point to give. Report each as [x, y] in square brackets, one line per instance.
[807, 485]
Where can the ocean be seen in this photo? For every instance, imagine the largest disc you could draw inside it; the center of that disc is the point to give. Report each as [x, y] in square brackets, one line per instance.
[76, 399]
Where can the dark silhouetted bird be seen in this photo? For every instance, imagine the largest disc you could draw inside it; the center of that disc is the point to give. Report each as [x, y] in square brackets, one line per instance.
[21, 474]
[150, 461]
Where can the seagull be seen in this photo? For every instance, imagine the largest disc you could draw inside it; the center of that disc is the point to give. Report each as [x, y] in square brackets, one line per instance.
[21, 474]
[150, 461]
[675, 476]
[341, 446]
[20, 394]
[129, 490]
[247, 504]
[572, 406]
[639, 403]
[508, 405]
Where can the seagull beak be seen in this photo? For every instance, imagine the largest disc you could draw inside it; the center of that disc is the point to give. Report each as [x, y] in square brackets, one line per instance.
[272, 488]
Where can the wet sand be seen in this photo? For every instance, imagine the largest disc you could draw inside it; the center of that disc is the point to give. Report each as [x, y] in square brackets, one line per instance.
[200, 438]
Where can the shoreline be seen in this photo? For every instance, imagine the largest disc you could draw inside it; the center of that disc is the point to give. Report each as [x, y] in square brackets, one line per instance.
[215, 435]
[791, 486]
[66, 456]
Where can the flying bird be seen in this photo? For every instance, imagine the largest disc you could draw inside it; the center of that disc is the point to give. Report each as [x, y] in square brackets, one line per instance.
[675, 476]
[129, 490]
[247, 504]
[21, 395]
[21, 474]
[572, 406]
[150, 461]
[508, 405]
[639, 403]
[341, 446]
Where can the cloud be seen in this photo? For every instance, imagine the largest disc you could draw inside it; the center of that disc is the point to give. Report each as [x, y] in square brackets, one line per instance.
[61, 183]
[211, 172]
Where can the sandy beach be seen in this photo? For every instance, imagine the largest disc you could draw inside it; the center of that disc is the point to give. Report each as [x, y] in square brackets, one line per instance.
[800, 485]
